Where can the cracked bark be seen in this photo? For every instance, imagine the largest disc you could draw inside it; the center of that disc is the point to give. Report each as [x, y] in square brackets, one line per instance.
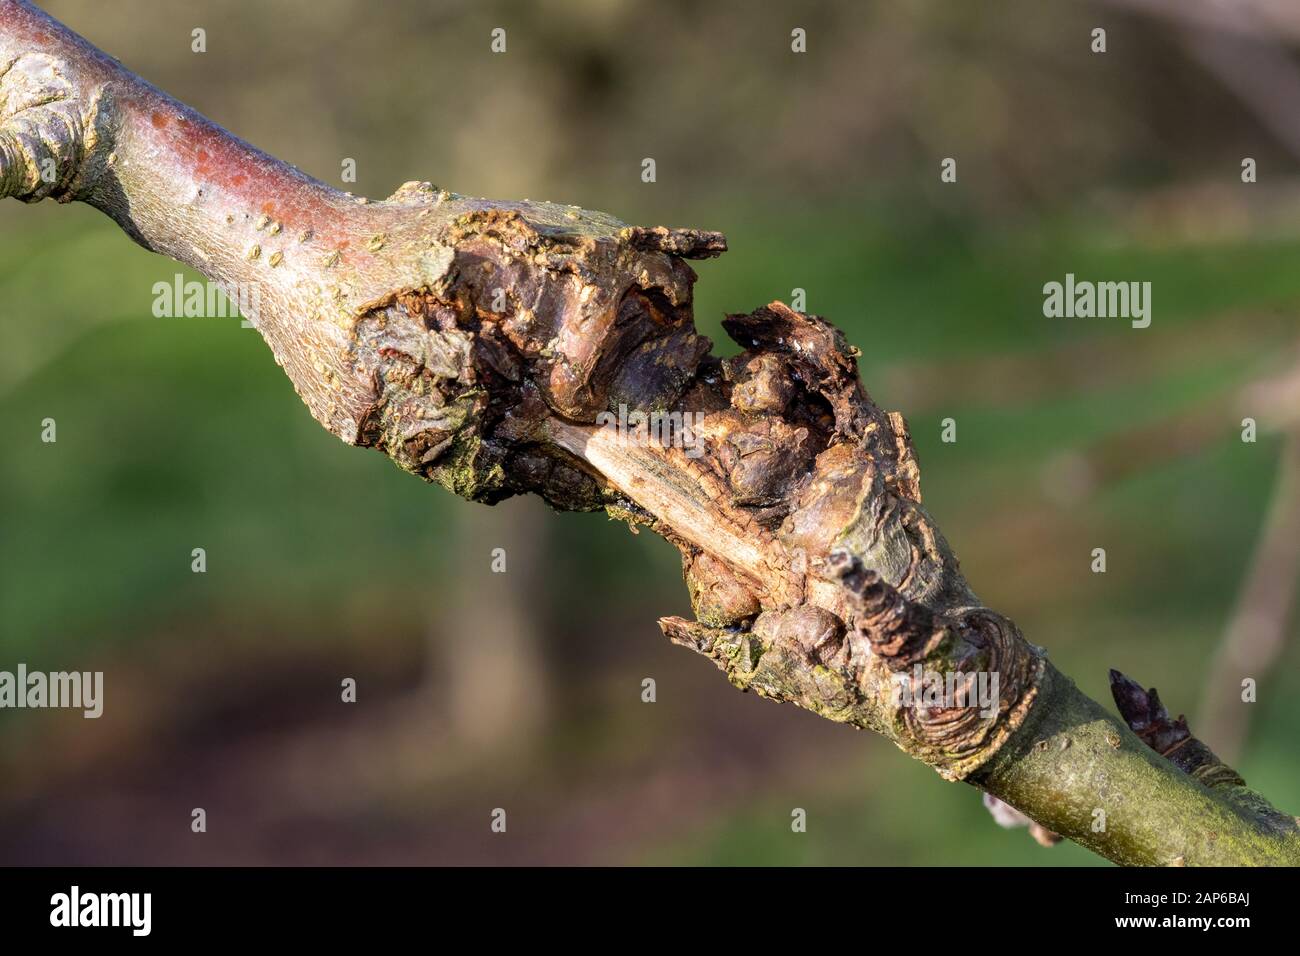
[476, 342]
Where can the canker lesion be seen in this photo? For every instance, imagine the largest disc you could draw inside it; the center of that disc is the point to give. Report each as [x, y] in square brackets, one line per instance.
[42, 128]
[497, 394]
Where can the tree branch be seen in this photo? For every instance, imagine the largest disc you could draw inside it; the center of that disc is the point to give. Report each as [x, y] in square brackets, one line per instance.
[484, 345]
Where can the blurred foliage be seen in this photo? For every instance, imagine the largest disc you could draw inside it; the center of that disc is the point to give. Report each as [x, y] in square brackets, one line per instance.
[324, 561]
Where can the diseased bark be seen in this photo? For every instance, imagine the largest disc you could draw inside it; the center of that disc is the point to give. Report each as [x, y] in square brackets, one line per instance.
[476, 343]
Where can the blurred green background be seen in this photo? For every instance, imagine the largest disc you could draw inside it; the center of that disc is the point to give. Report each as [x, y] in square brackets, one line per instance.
[523, 690]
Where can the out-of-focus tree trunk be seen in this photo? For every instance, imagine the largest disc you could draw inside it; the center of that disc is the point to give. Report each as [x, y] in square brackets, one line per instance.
[1257, 632]
[487, 631]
